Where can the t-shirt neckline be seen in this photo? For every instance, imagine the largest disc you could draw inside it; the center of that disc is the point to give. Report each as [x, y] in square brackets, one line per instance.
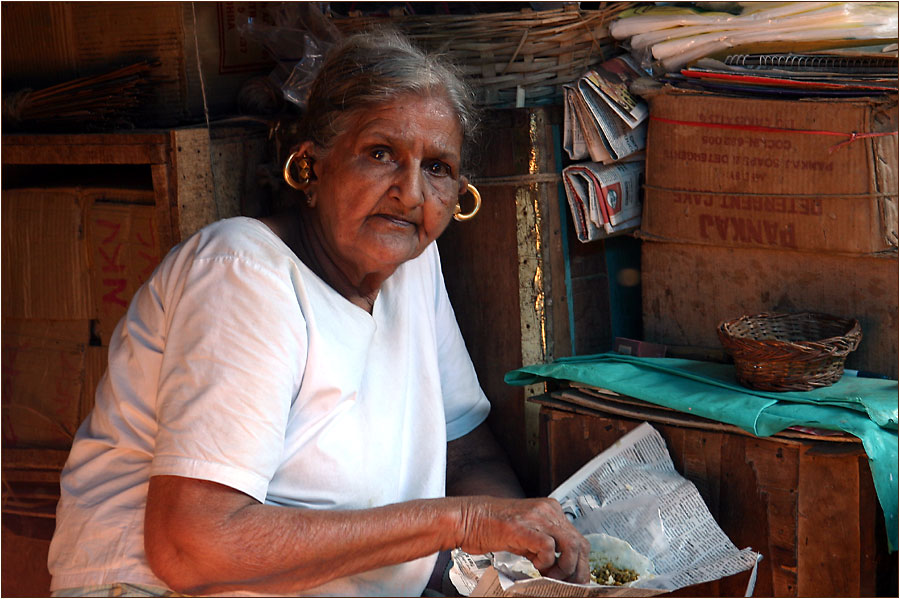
[352, 308]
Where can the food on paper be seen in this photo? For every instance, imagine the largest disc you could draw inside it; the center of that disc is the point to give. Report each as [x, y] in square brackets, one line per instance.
[614, 562]
[606, 573]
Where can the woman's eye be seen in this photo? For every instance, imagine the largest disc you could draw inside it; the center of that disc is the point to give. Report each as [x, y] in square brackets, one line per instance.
[438, 168]
[380, 154]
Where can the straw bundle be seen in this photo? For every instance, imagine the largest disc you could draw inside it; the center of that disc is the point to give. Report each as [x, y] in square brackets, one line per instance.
[511, 58]
[109, 98]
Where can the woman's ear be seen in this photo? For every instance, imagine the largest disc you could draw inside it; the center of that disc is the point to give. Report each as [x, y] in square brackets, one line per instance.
[299, 170]
[463, 185]
[309, 150]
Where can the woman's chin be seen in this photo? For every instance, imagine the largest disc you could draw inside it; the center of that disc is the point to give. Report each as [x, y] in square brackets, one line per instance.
[387, 258]
[396, 247]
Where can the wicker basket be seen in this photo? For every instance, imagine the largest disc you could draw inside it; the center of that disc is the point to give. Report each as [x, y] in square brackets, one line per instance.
[505, 52]
[789, 352]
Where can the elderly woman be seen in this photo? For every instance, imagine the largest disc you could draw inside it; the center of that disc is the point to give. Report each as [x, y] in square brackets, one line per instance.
[289, 406]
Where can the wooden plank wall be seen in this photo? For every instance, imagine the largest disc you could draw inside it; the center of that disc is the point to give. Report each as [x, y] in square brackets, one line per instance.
[506, 274]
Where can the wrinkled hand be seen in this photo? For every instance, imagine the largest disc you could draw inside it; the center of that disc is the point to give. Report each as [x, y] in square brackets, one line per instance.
[533, 528]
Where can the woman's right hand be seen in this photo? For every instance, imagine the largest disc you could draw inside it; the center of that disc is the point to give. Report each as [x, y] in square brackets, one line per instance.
[533, 528]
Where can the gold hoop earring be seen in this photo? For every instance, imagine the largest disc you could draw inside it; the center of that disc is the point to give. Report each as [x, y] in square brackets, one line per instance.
[304, 164]
[458, 215]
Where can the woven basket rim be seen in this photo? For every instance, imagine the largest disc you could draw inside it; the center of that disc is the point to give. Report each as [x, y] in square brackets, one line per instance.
[835, 345]
[512, 17]
[505, 37]
[788, 364]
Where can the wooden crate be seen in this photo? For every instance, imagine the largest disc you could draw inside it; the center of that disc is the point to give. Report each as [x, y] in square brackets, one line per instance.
[807, 504]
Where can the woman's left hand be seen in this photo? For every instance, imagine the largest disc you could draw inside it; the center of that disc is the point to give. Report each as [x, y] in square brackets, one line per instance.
[534, 528]
[477, 465]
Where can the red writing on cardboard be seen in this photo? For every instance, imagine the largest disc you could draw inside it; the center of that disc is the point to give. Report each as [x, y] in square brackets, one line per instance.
[111, 261]
[691, 156]
[763, 143]
[768, 204]
[110, 252]
[747, 230]
[148, 252]
[743, 120]
[112, 249]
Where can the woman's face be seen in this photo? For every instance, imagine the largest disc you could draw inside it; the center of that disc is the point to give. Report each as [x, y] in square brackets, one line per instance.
[389, 184]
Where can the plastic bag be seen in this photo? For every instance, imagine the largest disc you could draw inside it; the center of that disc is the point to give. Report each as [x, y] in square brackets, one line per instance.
[298, 38]
[636, 519]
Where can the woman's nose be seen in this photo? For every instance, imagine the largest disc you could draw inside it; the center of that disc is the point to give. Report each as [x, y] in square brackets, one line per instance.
[409, 186]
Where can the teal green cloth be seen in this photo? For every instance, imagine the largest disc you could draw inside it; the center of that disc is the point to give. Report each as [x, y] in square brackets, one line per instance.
[863, 407]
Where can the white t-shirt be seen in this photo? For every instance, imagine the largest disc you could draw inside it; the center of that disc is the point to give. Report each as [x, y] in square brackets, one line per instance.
[236, 364]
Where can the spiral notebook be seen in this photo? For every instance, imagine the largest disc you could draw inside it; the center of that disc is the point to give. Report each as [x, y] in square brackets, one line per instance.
[814, 63]
[819, 74]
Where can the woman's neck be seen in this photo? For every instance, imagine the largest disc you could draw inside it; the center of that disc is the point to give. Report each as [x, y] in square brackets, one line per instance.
[304, 238]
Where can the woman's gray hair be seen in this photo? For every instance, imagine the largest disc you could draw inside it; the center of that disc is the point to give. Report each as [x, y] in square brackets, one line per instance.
[374, 68]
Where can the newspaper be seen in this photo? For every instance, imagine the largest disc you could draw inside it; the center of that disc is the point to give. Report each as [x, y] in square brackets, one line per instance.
[604, 199]
[582, 138]
[603, 120]
[630, 491]
[609, 83]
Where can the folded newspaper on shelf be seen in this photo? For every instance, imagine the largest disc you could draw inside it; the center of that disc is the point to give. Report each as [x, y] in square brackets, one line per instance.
[603, 120]
[605, 200]
[582, 139]
[630, 492]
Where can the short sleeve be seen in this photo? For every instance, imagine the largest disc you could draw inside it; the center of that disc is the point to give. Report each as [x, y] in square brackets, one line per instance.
[465, 404]
[234, 355]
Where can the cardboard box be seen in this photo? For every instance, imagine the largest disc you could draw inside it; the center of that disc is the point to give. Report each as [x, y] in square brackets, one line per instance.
[46, 268]
[73, 258]
[227, 57]
[95, 363]
[124, 250]
[688, 289]
[745, 172]
[43, 367]
[72, 254]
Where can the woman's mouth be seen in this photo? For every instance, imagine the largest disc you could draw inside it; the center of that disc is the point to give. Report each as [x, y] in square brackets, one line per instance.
[396, 220]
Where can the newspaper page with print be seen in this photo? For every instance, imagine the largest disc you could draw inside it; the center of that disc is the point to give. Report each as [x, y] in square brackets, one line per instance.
[610, 82]
[618, 138]
[632, 492]
[603, 119]
[604, 200]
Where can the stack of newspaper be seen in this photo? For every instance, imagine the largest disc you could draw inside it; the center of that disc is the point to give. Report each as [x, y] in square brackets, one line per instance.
[605, 125]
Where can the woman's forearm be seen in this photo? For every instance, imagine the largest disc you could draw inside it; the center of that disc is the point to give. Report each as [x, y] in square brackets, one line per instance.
[205, 538]
[202, 537]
